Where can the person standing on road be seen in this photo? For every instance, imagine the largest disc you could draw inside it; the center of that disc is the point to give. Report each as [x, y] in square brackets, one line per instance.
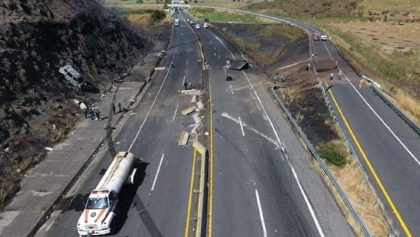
[119, 108]
[113, 108]
[340, 75]
[331, 76]
[361, 82]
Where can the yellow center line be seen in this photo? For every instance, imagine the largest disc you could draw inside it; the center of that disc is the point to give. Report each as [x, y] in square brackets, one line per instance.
[372, 170]
[210, 191]
[187, 221]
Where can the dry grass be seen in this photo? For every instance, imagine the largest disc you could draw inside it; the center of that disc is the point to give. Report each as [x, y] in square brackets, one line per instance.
[352, 181]
[142, 19]
[398, 72]
[396, 9]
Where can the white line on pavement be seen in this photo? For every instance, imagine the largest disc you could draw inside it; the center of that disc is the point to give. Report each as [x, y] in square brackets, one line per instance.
[183, 80]
[151, 106]
[176, 109]
[261, 213]
[308, 204]
[231, 89]
[384, 123]
[242, 127]
[302, 191]
[271, 140]
[377, 115]
[157, 173]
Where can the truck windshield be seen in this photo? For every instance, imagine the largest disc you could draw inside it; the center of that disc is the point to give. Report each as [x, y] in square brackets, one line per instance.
[97, 203]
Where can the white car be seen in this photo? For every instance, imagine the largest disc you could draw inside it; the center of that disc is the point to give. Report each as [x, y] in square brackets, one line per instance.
[324, 37]
[205, 25]
[197, 26]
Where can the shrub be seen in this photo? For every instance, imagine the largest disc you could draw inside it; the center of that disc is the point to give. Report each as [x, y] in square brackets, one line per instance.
[332, 153]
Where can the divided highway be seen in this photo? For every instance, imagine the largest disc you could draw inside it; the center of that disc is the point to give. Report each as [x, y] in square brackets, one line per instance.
[261, 180]
[387, 147]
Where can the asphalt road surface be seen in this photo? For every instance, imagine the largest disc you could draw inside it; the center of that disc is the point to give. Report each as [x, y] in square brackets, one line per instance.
[157, 207]
[387, 147]
[262, 182]
[254, 190]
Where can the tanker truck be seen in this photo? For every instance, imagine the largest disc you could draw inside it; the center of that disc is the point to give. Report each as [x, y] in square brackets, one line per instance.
[101, 204]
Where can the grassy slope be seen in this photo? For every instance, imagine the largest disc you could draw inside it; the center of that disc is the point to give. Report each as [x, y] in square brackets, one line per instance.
[398, 72]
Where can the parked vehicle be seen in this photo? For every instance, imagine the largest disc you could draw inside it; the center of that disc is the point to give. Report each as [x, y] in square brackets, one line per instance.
[315, 36]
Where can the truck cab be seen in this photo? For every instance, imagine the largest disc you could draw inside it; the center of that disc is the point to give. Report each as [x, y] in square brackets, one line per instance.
[100, 208]
[98, 214]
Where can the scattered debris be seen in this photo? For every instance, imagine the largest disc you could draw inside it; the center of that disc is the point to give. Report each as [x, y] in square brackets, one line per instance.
[183, 138]
[188, 110]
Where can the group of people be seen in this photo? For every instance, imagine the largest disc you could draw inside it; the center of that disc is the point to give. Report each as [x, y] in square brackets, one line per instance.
[339, 75]
[93, 113]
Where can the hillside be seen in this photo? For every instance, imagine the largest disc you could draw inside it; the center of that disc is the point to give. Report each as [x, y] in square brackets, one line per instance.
[310, 8]
[36, 102]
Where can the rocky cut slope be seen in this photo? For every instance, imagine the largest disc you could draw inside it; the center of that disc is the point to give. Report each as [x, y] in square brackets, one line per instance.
[36, 39]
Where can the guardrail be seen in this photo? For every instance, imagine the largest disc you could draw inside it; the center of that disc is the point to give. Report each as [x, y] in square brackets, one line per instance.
[323, 166]
[404, 117]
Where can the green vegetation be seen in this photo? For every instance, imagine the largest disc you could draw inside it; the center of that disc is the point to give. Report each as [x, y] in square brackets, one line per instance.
[222, 16]
[276, 30]
[333, 153]
[157, 15]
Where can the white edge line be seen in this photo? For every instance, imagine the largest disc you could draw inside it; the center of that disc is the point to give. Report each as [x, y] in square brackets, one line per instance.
[176, 109]
[261, 213]
[384, 123]
[321, 233]
[377, 115]
[231, 89]
[157, 173]
[311, 210]
[151, 107]
[242, 127]
[183, 80]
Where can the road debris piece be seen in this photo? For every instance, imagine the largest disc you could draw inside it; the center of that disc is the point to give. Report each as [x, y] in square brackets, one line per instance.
[188, 110]
[183, 138]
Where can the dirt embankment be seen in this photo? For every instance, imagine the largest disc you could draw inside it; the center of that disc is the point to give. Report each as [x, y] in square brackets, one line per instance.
[282, 43]
[36, 39]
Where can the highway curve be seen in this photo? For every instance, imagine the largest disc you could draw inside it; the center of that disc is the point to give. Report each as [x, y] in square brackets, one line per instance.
[256, 189]
[387, 147]
[261, 182]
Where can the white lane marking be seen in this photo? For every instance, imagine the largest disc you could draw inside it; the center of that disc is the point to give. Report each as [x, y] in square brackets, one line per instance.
[261, 213]
[306, 199]
[151, 106]
[157, 173]
[271, 140]
[223, 44]
[231, 89]
[294, 64]
[377, 115]
[183, 80]
[242, 127]
[186, 63]
[214, 48]
[308, 204]
[176, 109]
[384, 123]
